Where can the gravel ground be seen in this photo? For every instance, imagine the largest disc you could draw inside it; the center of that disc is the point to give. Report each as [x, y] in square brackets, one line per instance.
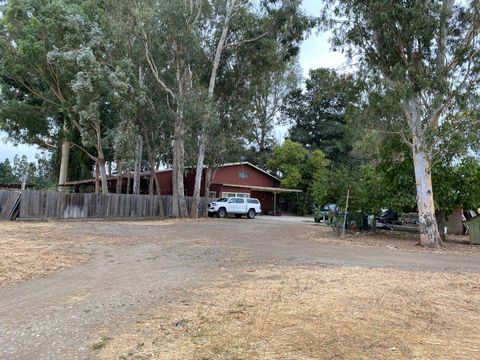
[135, 266]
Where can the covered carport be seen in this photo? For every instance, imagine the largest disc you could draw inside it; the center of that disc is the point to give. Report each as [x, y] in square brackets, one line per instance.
[266, 195]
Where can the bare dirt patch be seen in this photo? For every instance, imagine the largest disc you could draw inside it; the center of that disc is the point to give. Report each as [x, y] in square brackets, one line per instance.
[33, 250]
[314, 313]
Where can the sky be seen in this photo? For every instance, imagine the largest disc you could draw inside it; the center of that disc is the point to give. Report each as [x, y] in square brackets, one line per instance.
[314, 53]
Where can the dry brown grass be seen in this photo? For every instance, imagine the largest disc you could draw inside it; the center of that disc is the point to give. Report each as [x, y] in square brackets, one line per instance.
[392, 240]
[315, 313]
[33, 250]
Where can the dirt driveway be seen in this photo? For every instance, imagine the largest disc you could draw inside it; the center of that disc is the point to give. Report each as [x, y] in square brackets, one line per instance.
[136, 265]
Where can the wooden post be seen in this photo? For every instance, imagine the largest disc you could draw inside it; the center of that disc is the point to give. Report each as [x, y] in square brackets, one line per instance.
[274, 203]
[345, 215]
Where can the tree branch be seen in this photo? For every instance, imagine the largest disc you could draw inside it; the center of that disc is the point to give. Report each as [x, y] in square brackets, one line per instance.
[246, 41]
[84, 150]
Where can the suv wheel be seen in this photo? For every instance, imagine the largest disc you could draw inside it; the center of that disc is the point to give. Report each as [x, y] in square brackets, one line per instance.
[251, 214]
[221, 213]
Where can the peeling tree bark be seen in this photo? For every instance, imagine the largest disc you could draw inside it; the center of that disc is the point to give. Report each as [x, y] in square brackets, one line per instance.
[179, 204]
[422, 164]
[97, 180]
[211, 88]
[62, 179]
[429, 235]
[138, 163]
[103, 175]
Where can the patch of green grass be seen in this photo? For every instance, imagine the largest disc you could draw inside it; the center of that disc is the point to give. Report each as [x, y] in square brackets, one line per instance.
[101, 343]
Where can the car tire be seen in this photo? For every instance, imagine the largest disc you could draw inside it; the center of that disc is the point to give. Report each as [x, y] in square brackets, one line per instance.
[251, 214]
[221, 213]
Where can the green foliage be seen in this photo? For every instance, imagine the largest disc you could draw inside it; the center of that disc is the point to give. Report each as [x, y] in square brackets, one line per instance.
[456, 185]
[35, 174]
[319, 114]
[423, 60]
[300, 169]
[6, 172]
[79, 70]
[35, 88]
[387, 180]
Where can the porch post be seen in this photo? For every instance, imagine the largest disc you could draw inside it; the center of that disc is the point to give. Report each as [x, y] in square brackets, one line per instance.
[274, 203]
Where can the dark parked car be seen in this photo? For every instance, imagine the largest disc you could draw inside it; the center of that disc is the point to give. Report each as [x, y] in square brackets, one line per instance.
[387, 220]
[324, 211]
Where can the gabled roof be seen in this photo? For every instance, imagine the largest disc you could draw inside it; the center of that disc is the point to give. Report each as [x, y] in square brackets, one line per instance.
[232, 164]
[250, 164]
[264, 188]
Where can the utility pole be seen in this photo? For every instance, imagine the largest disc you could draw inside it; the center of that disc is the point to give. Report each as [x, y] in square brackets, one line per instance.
[345, 215]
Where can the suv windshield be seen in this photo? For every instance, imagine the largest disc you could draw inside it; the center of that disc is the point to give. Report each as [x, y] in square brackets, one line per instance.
[222, 200]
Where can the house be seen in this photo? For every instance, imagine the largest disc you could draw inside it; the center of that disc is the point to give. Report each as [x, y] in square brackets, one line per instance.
[241, 179]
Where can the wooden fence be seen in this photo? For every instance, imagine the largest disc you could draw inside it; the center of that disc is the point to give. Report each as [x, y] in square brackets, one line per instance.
[57, 205]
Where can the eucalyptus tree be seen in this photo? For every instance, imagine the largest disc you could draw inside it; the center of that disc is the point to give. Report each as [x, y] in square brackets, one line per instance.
[426, 56]
[99, 88]
[269, 90]
[147, 112]
[237, 29]
[37, 98]
[170, 32]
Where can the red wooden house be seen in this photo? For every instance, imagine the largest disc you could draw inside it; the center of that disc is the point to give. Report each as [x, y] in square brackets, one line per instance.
[241, 179]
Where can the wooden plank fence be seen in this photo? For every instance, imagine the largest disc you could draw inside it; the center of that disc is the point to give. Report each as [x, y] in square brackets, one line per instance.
[40, 205]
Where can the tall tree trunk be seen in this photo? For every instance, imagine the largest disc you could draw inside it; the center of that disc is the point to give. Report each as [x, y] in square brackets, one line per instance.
[175, 211]
[151, 183]
[440, 216]
[429, 235]
[154, 180]
[182, 204]
[138, 163]
[103, 174]
[208, 181]
[422, 164]
[119, 183]
[65, 155]
[198, 177]
[211, 88]
[97, 178]
[179, 208]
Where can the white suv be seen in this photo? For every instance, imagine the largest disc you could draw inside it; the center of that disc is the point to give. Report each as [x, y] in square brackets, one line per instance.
[236, 206]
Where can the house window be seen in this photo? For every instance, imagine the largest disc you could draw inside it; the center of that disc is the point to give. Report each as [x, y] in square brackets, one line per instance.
[240, 195]
[243, 175]
[212, 194]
